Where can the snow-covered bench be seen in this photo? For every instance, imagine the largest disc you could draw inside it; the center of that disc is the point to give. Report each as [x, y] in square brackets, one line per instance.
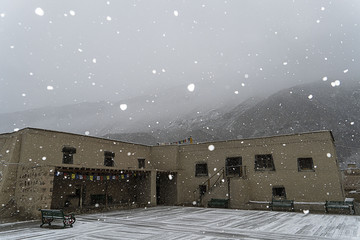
[48, 215]
[340, 205]
[220, 203]
[282, 203]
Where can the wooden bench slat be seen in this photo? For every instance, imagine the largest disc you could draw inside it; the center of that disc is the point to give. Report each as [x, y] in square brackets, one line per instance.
[282, 203]
[214, 202]
[340, 205]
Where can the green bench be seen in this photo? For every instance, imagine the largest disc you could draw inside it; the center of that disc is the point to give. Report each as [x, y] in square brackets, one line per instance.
[218, 203]
[49, 215]
[282, 203]
[340, 205]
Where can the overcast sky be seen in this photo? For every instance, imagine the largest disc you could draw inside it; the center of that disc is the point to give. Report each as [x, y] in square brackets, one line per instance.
[61, 52]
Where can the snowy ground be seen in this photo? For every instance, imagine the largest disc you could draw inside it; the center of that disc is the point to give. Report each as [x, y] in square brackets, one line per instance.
[193, 223]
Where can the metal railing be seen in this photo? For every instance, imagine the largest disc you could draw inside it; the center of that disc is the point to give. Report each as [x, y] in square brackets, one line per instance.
[217, 179]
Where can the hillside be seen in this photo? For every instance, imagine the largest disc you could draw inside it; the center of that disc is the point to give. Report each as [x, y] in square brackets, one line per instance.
[177, 114]
[309, 107]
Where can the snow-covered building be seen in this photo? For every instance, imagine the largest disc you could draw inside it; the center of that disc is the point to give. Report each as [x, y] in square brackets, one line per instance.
[49, 169]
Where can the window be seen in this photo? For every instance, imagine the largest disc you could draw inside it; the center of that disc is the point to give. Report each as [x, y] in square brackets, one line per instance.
[68, 153]
[201, 170]
[305, 164]
[109, 159]
[233, 166]
[100, 199]
[279, 192]
[141, 163]
[264, 162]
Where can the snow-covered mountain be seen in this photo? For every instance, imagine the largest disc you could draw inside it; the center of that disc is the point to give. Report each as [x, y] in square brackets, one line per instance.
[304, 108]
[142, 113]
[177, 114]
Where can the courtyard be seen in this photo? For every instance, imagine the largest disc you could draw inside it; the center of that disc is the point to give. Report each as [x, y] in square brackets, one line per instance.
[192, 223]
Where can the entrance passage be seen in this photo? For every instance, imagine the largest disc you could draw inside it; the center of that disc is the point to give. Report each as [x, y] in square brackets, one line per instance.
[166, 193]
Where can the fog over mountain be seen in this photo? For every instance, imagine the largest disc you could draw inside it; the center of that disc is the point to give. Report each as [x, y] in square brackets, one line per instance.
[166, 117]
[304, 108]
[56, 53]
[162, 70]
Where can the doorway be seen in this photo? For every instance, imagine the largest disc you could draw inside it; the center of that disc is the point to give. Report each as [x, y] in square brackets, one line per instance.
[166, 192]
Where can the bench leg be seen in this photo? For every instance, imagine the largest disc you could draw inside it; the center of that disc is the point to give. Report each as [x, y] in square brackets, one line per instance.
[352, 210]
[46, 220]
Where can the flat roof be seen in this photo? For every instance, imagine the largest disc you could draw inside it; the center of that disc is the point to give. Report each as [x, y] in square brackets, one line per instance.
[114, 140]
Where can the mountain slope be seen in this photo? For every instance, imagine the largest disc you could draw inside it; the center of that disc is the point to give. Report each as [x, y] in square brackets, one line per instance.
[309, 107]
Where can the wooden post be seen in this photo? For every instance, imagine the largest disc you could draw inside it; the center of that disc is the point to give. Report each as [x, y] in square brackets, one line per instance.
[81, 196]
[106, 195]
[228, 180]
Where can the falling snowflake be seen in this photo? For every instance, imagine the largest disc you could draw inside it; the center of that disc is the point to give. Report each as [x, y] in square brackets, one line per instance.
[94, 60]
[246, 76]
[39, 11]
[123, 106]
[328, 155]
[108, 18]
[310, 96]
[50, 88]
[170, 177]
[2, 15]
[324, 79]
[335, 83]
[72, 12]
[285, 63]
[153, 71]
[87, 133]
[191, 87]
[236, 92]
[346, 70]
[16, 129]
[176, 13]
[211, 147]
[43, 158]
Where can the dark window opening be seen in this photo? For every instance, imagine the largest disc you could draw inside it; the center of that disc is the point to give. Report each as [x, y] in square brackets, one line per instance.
[109, 159]
[141, 163]
[233, 166]
[305, 164]
[279, 192]
[68, 153]
[264, 162]
[201, 170]
[100, 199]
[202, 189]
